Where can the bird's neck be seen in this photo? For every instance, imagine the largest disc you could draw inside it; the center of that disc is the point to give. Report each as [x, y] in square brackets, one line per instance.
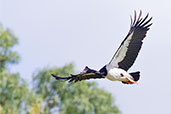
[103, 71]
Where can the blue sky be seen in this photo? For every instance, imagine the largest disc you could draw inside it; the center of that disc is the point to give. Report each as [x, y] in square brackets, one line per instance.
[88, 32]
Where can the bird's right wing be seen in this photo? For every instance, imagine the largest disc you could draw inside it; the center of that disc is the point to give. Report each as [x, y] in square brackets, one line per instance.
[131, 45]
[79, 77]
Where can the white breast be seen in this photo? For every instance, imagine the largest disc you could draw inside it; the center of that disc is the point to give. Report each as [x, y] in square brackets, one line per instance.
[115, 74]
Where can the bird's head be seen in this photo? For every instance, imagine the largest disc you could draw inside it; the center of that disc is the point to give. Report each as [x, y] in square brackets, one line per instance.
[85, 70]
[88, 70]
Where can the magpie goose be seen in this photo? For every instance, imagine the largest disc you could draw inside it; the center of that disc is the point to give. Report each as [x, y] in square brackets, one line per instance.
[123, 59]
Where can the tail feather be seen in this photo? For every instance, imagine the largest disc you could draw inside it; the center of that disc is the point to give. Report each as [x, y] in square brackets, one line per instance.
[135, 75]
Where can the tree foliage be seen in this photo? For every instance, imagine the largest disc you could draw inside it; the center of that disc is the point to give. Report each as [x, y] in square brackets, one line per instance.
[7, 55]
[15, 97]
[72, 98]
[47, 96]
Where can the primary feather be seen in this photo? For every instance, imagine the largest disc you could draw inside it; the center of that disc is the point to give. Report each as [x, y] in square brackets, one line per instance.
[131, 45]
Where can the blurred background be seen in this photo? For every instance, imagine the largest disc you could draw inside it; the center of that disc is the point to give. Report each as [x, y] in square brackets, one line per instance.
[62, 37]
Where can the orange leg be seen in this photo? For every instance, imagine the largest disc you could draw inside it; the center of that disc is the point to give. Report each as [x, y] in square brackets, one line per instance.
[130, 81]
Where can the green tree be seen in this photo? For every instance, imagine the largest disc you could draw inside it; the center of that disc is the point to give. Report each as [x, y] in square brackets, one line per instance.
[72, 98]
[15, 97]
[7, 55]
[48, 96]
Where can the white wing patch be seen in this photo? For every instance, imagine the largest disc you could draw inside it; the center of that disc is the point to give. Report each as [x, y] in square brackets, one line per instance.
[121, 53]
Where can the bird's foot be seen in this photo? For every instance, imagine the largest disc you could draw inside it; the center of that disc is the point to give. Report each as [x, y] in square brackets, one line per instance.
[130, 81]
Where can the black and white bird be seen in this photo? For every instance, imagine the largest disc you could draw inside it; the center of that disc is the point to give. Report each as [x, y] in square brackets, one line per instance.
[123, 59]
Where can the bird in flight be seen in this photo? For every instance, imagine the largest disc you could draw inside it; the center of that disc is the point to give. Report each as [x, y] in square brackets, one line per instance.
[123, 59]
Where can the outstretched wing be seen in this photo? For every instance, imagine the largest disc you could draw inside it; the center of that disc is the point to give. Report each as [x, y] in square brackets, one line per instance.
[131, 45]
[80, 77]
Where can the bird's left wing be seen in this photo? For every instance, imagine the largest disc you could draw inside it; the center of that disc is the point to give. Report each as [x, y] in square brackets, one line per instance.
[79, 77]
[131, 45]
